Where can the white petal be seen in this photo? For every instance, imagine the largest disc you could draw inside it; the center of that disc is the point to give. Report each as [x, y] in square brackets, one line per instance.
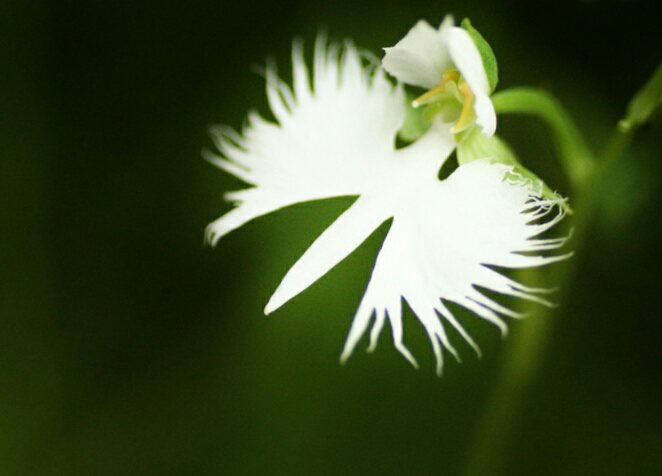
[329, 139]
[468, 61]
[485, 114]
[447, 23]
[415, 164]
[332, 246]
[438, 246]
[421, 57]
[239, 216]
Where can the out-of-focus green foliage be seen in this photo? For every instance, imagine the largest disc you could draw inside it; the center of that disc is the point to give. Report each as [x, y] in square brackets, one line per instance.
[129, 347]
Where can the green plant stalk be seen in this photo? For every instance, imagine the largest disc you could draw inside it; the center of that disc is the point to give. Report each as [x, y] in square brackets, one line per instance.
[530, 340]
[524, 355]
[504, 405]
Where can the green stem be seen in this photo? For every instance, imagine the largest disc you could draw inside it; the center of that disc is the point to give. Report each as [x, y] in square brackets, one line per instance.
[575, 155]
[516, 373]
[530, 339]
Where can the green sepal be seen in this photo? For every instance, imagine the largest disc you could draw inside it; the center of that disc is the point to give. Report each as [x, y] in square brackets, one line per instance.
[575, 155]
[474, 145]
[416, 123]
[486, 54]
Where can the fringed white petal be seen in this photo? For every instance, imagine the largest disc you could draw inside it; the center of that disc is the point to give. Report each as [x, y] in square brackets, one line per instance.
[333, 133]
[421, 57]
[443, 237]
[334, 136]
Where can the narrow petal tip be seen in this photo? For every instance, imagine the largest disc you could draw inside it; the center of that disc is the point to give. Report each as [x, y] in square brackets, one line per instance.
[440, 370]
[271, 307]
[406, 354]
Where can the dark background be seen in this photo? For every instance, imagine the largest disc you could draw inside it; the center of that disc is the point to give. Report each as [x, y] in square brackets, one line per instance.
[129, 347]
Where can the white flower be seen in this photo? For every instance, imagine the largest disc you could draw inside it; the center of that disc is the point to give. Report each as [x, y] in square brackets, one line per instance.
[432, 59]
[336, 137]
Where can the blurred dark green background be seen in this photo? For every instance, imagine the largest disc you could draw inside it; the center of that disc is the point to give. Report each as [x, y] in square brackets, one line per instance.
[129, 347]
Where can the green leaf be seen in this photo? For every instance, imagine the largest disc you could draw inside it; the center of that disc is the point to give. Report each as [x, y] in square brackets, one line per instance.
[644, 103]
[486, 54]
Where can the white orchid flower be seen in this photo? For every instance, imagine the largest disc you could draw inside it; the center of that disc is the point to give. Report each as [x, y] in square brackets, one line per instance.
[448, 63]
[335, 137]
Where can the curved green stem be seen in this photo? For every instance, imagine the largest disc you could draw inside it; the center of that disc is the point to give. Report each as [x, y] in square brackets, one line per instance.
[525, 353]
[575, 155]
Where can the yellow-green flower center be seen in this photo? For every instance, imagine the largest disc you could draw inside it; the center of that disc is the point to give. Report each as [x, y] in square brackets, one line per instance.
[451, 92]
